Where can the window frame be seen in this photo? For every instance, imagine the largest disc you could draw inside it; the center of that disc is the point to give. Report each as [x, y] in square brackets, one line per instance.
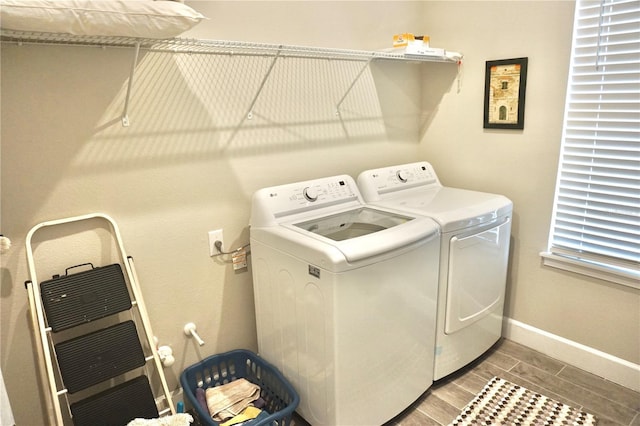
[562, 255]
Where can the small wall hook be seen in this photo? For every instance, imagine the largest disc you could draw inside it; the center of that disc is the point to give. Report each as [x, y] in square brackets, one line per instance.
[190, 330]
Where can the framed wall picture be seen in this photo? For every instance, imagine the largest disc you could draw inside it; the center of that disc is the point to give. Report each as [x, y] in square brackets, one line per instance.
[504, 92]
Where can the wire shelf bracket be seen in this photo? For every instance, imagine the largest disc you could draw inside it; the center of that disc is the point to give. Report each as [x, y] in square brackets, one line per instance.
[249, 114]
[125, 112]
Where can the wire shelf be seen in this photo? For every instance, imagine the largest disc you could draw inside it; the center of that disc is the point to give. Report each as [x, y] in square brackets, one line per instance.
[215, 47]
[224, 50]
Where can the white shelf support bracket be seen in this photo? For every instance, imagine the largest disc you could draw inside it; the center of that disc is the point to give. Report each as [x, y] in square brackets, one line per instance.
[353, 83]
[249, 113]
[262, 84]
[125, 113]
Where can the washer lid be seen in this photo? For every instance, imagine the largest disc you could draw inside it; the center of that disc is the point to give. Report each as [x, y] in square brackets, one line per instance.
[353, 223]
[365, 232]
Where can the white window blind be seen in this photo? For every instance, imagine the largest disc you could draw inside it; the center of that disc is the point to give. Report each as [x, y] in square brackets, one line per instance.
[596, 220]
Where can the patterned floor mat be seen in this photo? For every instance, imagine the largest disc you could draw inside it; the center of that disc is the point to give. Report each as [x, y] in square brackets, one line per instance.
[503, 403]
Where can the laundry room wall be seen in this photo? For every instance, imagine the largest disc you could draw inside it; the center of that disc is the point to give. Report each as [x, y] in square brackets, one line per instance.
[522, 164]
[190, 159]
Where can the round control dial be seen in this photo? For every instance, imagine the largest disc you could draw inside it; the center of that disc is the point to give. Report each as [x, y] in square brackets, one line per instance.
[310, 194]
[401, 175]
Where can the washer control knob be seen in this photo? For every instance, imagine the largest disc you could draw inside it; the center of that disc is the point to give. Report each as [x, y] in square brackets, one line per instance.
[310, 194]
[402, 175]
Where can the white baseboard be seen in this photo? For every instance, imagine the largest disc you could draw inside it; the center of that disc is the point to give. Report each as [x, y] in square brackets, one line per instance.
[601, 364]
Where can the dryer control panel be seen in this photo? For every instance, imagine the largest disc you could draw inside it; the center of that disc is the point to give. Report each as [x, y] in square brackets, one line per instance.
[396, 178]
[285, 200]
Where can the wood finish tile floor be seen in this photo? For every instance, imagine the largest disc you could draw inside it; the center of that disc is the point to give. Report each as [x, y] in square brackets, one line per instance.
[611, 403]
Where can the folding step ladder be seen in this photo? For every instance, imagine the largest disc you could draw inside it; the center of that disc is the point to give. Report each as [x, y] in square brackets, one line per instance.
[95, 347]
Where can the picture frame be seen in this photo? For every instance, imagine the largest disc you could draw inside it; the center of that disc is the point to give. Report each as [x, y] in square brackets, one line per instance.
[504, 93]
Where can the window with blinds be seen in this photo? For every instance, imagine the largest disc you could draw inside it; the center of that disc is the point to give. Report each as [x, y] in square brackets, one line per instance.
[596, 219]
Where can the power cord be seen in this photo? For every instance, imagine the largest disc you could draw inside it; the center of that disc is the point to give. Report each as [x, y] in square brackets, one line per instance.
[218, 246]
[238, 256]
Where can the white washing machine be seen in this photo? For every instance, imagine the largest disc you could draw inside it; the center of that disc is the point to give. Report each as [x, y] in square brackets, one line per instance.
[345, 298]
[475, 229]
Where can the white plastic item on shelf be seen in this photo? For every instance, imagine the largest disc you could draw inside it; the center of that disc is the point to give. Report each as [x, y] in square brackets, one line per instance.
[419, 48]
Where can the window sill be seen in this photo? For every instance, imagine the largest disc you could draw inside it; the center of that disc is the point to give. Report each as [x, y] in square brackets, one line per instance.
[626, 277]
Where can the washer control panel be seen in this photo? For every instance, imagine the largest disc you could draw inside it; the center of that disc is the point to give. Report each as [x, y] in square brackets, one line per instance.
[396, 178]
[301, 196]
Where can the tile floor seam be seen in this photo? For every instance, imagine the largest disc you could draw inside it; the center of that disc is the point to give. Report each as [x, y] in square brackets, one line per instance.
[508, 355]
[428, 416]
[561, 370]
[515, 365]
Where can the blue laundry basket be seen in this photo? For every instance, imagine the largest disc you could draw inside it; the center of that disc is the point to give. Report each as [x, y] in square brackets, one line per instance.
[280, 397]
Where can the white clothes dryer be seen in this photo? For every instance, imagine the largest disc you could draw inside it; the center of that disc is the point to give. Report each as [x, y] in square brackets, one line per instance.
[475, 229]
[345, 299]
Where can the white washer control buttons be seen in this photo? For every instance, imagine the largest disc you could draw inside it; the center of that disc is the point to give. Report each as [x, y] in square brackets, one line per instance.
[402, 175]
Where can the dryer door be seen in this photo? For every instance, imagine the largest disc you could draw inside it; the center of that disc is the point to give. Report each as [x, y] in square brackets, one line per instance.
[477, 275]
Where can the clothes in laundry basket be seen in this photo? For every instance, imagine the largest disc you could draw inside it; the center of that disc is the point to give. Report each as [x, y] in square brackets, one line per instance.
[249, 413]
[202, 400]
[231, 399]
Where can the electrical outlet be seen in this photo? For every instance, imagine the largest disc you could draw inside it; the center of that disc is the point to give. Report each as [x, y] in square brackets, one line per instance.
[213, 237]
